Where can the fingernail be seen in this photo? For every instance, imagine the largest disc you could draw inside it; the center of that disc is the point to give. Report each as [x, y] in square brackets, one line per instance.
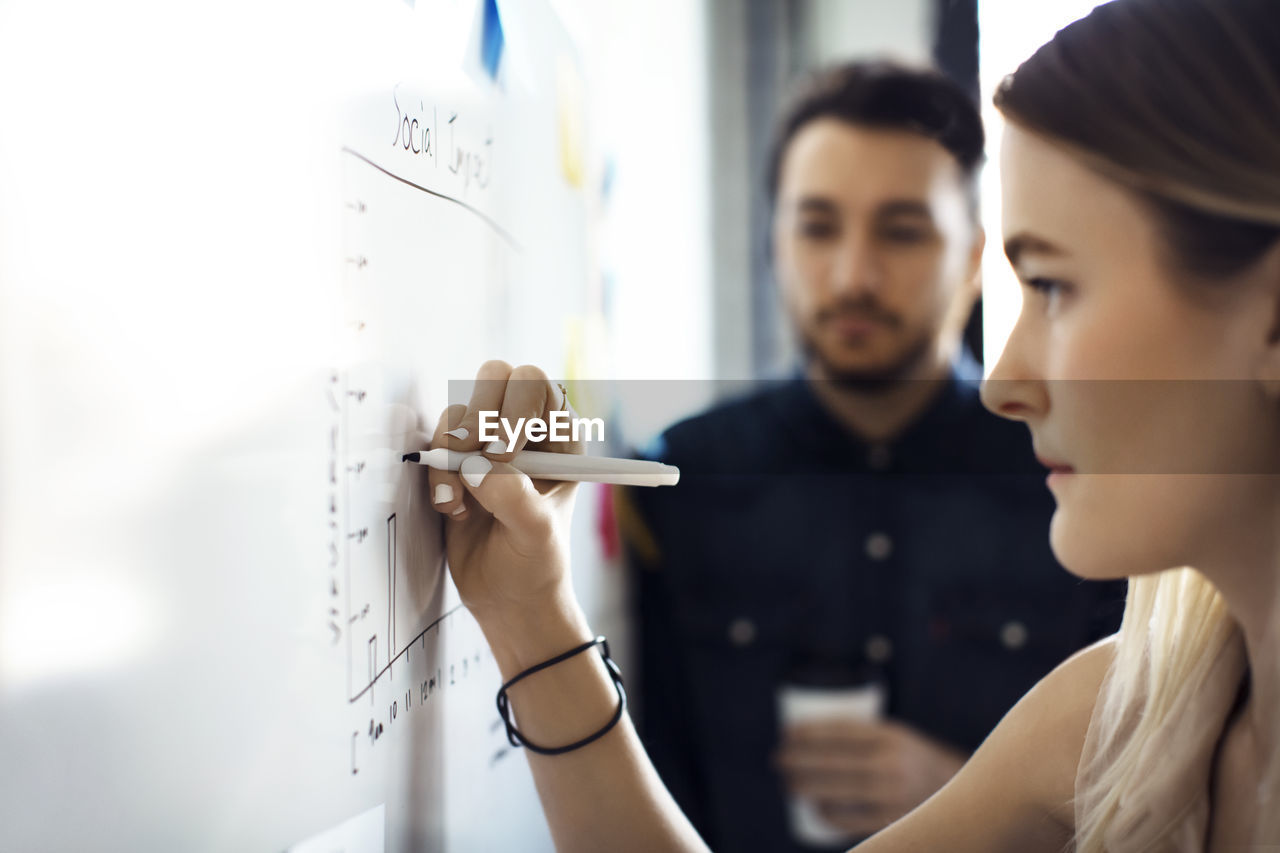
[444, 493]
[473, 469]
[496, 446]
[460, 433]
[460, 510]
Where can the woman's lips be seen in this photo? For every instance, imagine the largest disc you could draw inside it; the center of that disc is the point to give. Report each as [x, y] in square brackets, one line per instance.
[1058, 471]
[1057, 475]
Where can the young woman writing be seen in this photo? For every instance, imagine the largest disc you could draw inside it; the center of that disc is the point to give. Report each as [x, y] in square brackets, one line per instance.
[1141, 180]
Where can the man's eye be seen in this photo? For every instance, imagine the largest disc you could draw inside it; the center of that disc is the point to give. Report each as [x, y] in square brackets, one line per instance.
[905, 235]
[817, 230]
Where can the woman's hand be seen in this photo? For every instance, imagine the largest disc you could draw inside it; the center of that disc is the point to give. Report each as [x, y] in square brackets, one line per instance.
[506, 535]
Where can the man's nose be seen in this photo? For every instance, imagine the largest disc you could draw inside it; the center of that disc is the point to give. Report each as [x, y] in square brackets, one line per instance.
[857, 266]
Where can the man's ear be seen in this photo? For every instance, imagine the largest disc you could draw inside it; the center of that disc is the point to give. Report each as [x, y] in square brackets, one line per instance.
[974, 277]
[1268, 372]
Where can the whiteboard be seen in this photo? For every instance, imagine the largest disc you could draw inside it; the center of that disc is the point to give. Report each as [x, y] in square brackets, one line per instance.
[230, 294]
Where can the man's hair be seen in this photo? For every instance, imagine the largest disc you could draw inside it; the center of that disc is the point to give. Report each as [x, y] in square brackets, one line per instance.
[887, 95]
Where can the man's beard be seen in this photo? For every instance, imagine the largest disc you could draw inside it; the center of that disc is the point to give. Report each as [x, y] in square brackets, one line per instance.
[879, 379]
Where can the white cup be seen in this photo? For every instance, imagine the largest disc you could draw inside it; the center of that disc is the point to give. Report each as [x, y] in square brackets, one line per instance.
[807, 704]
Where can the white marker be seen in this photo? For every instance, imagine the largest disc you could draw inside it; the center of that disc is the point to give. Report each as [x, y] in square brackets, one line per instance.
[541, 465]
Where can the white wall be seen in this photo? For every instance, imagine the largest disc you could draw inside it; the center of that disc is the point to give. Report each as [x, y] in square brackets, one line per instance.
[835, 30]
[648, 90]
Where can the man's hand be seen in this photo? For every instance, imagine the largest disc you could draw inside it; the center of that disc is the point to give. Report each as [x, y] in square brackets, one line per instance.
[864, 775]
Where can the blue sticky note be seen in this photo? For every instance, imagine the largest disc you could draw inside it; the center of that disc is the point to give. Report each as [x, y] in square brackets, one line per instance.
[491, 39]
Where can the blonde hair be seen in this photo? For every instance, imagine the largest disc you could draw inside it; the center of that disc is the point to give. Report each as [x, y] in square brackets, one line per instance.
[1153, 735]
[1179, 101]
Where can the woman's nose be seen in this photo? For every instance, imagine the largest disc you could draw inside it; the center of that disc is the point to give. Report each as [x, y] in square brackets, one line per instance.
[1015, 390]
[1010, 398]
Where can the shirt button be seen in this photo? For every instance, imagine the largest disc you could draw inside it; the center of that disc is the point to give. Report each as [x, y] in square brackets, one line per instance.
[1013, 635]
[879, 546]
[879, 457]
[878, 648]
[742, 631]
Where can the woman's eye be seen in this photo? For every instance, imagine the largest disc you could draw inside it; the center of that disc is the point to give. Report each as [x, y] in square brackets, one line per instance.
[1054, 290]
[1047, 286]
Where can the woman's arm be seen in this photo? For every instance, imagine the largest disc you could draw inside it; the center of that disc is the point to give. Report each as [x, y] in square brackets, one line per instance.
[506, 538]
[1015, 793]
[603, 796]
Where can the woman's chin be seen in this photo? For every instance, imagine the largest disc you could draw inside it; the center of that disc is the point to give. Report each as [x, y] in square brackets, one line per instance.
[1083, 555]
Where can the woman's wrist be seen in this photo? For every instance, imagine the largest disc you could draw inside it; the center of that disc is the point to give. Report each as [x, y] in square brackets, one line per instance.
[526, 635]
[570, 703]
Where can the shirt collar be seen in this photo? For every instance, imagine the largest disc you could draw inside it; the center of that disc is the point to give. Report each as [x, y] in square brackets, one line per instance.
[811, 422]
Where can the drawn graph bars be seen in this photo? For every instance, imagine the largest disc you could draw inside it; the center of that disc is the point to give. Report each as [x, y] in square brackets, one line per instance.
[377, 664]
[375, 668]
[391, 589]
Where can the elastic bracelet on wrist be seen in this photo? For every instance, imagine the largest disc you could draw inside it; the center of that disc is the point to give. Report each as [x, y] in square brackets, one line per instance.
[504, 702]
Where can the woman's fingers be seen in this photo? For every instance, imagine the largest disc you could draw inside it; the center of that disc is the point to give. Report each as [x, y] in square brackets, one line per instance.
[576, 440]
[448, 497]
[486, 396]
[511, 498]
[527, 397]
[511, 399]
[530, 398]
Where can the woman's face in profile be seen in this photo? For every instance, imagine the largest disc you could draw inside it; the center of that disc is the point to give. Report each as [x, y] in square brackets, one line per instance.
[1137, 383]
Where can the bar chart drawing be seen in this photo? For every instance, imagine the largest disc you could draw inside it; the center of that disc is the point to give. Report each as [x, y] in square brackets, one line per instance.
[394, 577]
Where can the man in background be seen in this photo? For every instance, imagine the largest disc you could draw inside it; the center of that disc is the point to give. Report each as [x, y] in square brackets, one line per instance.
[865, 526]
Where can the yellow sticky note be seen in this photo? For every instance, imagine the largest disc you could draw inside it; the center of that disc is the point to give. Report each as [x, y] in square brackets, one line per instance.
[569, 108]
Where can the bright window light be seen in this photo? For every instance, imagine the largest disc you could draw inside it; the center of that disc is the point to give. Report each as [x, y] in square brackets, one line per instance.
[1011, 31]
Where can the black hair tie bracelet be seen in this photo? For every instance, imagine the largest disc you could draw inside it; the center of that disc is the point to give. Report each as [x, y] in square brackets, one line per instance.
[504, 702]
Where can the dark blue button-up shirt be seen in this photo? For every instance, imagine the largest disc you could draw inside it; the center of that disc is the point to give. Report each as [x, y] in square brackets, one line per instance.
[788, 542]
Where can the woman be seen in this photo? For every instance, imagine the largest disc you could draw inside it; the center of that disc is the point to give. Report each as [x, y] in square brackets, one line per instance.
[1141, 176]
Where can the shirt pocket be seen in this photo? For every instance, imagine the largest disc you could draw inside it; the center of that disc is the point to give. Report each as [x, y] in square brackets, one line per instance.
[988, 645]
[1000, 621]
[736, 652]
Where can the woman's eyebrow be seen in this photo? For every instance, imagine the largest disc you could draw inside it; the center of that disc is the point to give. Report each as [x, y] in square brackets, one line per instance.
[1024, 243]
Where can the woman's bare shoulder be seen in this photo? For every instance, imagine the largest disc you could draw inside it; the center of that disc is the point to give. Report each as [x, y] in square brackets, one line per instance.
[1047, 727]
[1015, 792]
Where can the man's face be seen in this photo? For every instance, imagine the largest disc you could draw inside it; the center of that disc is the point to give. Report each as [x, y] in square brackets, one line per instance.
[876, 249]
